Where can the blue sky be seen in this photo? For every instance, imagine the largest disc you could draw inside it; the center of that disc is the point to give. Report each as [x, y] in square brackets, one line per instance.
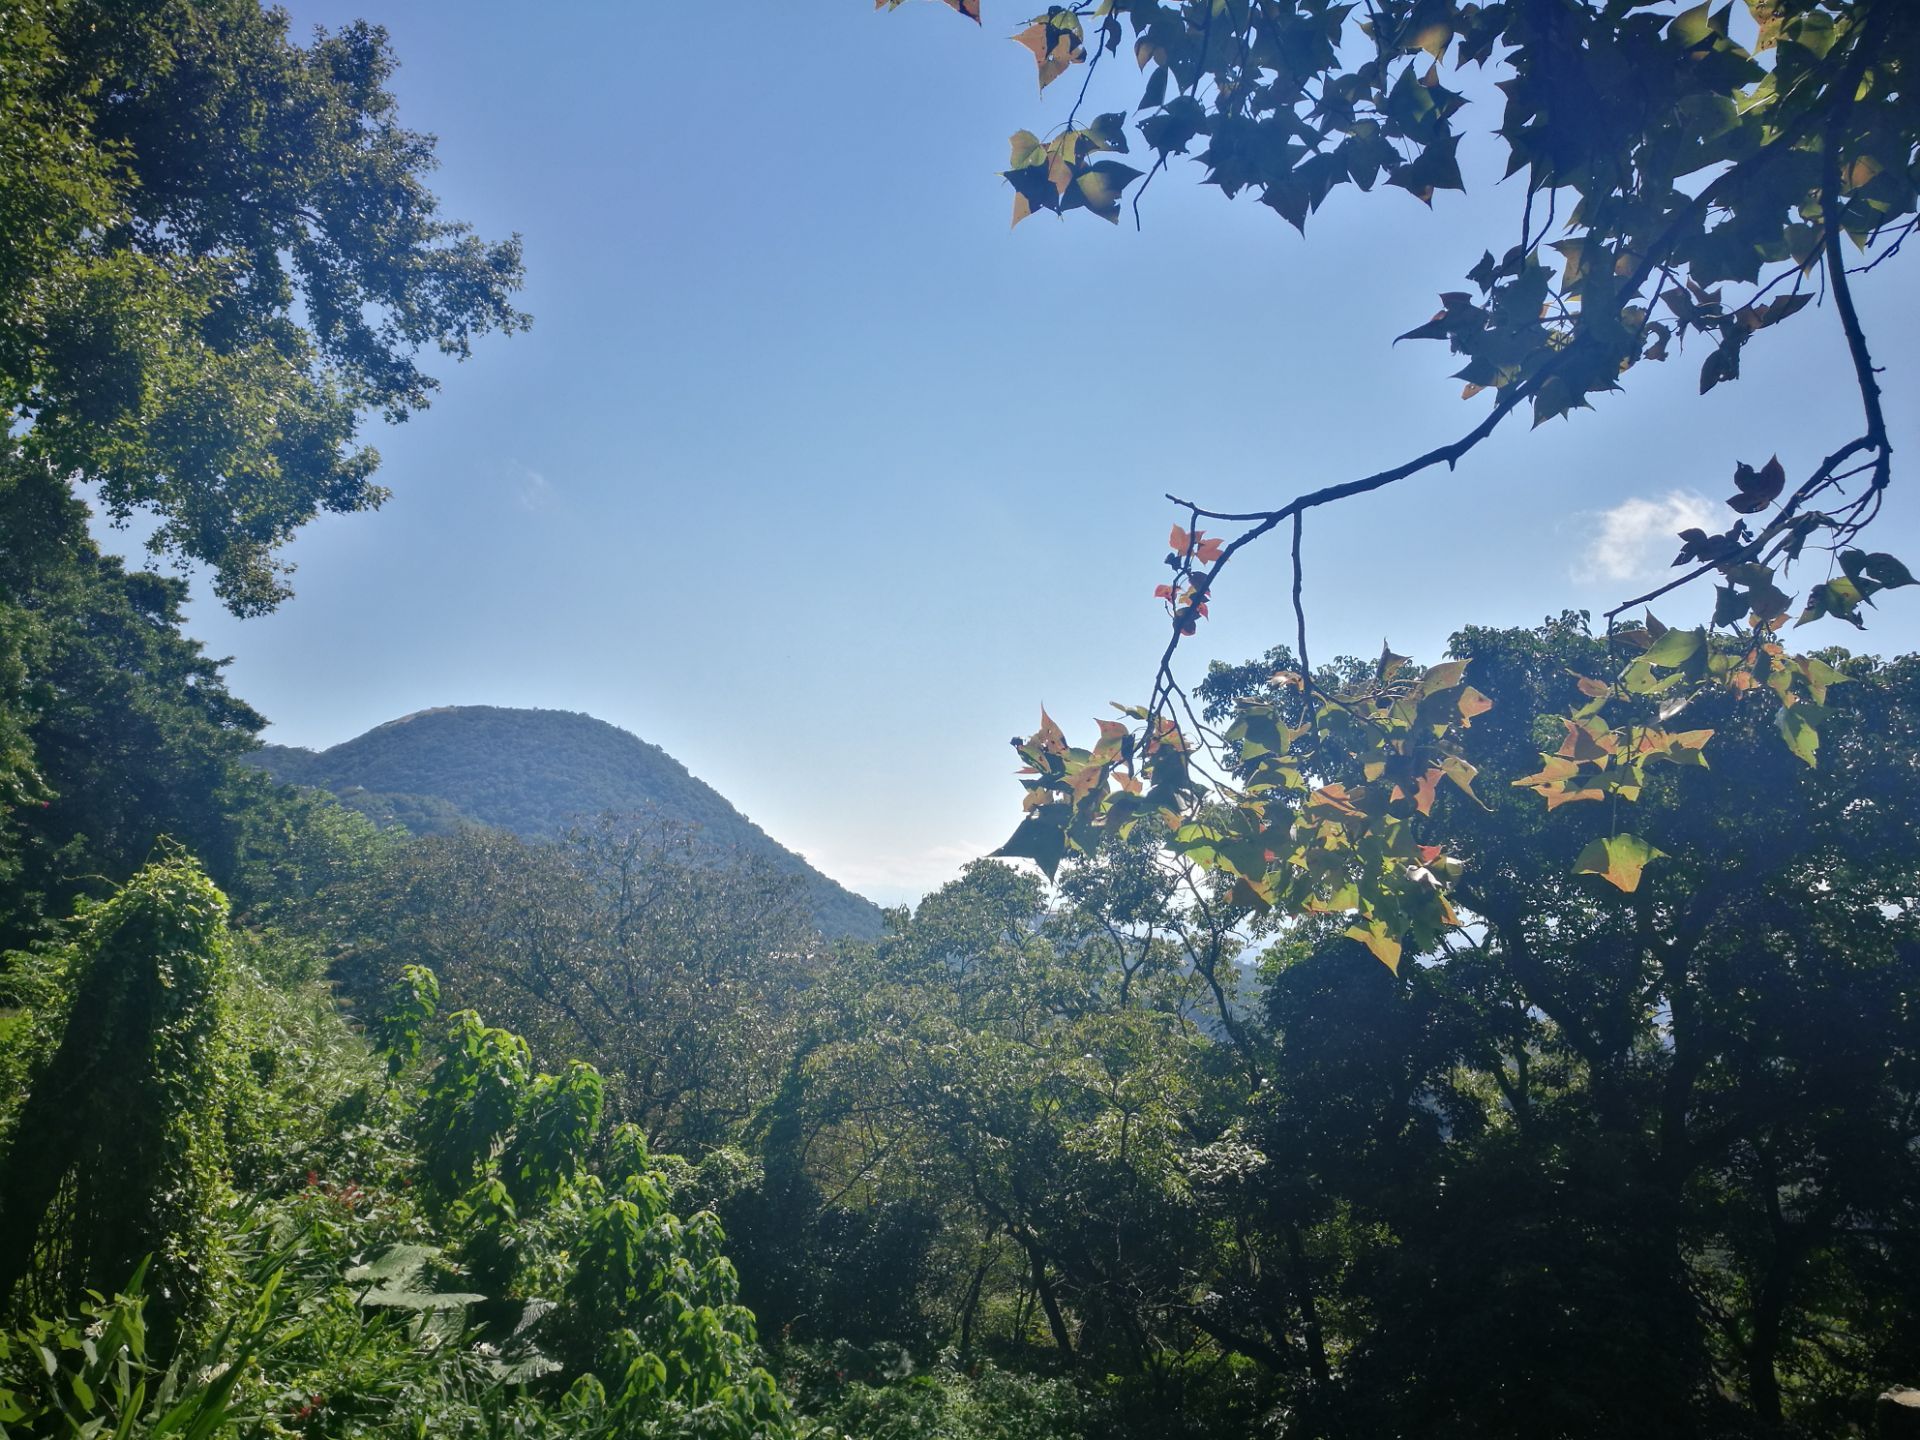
[813, 473]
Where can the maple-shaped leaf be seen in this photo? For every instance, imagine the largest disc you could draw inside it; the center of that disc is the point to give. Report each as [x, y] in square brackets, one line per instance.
[1041, 838]
[1032, 189]
[1820, 675]
[1555, 770]
[1618, 860]
[1591, 740]
[1375, 936]
[1049, 737]
[1799, 733]
[1880, 569]
[1472, 703]
[1208, 551]
[1056, 41]
[1757, 489]
[1178, 540]
[1098, 187]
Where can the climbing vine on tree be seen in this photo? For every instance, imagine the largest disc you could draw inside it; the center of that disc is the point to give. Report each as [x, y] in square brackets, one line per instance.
[1693, 177]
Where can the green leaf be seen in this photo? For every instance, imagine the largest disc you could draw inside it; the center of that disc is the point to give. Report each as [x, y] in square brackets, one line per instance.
[1098, 187]
[1881, 567]
[1618, 860]
[1839, 597]
[1375, 936]
[1820, 676]
[1799, 733]
[1676, 648]
[1041, 838]
[395, 1266]
[1156, 92]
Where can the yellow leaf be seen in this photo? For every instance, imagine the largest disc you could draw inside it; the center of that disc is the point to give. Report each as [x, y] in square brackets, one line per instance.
[1374, 936]
[1618, 860]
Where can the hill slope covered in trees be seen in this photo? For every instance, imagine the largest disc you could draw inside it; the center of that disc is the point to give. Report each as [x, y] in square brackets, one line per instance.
[534, 772]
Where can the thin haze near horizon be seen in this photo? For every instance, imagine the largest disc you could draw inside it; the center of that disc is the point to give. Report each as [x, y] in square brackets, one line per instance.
[813, 474]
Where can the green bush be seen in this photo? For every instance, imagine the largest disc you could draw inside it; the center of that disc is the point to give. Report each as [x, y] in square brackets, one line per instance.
[118, 1151]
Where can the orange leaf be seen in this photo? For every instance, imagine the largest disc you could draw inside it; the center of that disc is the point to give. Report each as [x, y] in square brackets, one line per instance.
[1585, 742]
[1049, 737]
[1053, 50]
[1178, 540]
[1552, 772]
[1429, 785]
[1335, 797]
[1557, 798]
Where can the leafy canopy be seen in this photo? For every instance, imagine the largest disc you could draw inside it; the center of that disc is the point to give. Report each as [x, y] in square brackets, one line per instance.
[1691, 174]
[217, 254]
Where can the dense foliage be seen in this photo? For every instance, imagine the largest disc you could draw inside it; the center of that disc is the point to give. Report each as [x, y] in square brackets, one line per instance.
[115, 1158]
[217, 252]
[594, 1286]
[1682, 164]
[674, 972]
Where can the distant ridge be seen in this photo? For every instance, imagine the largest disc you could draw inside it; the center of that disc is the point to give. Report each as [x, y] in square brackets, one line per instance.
[534, 772]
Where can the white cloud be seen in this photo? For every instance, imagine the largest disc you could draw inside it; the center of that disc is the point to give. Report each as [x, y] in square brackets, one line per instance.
[533, 489]
[1638, 538]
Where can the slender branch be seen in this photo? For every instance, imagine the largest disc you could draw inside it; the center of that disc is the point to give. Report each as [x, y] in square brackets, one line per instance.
[1093, 64]
[1875, 439]
[1906, 232]
[1817, 482]
[1863, 369]
[1449, 455]
[1158, 166]
[1300, 629]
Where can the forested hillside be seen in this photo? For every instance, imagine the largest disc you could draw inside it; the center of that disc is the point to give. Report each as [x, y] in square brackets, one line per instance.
[535, 773]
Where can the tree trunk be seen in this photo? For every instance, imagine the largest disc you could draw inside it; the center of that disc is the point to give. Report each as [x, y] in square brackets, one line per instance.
[973, 1298]
[1302, 1281]
[1048, 1299]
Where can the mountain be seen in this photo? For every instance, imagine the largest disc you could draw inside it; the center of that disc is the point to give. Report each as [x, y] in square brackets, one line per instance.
[534, 772]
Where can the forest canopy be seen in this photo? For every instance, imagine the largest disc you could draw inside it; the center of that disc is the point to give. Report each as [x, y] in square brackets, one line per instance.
[218, 253]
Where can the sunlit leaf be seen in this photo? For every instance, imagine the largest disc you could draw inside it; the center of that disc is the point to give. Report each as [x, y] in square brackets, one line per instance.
[1797, 729]
[1374, 935]
[1617, 859]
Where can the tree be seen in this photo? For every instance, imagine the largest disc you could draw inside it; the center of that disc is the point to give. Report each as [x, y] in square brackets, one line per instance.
[217, 254]
[1666, 1132]
[647, 1301]
[1690, 156]
[1711, 175]
[675, 971]
[124, 731]
[1004, 1105]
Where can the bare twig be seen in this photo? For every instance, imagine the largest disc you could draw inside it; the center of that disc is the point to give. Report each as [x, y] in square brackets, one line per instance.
[1093, 64]
[1300, 629]
[1901, 238]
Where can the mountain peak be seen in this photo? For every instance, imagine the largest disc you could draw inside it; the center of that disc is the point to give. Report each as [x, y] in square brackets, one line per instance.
[534, 772]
